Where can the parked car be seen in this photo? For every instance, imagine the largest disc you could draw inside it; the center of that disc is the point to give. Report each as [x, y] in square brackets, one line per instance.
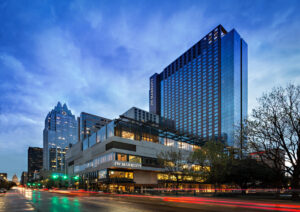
[3, 190]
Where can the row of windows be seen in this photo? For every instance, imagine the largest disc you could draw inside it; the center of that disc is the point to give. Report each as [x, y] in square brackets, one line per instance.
[106, 158]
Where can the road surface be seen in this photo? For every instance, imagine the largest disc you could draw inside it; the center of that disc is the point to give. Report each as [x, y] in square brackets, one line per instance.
[28, 200]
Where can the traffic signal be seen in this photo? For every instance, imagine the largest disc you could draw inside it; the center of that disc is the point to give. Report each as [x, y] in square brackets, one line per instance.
[55, 176]
[29, 184]
[65, 177]
[76, 178]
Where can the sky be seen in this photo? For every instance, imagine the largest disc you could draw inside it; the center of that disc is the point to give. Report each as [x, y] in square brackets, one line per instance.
[97, 56]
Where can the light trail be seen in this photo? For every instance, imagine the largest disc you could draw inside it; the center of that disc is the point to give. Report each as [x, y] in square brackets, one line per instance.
[228, 203]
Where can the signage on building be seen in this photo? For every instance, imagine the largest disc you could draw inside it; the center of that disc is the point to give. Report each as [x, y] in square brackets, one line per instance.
[151, 91]
[127, 164]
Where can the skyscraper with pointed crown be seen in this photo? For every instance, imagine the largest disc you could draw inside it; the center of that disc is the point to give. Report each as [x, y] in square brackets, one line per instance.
[60, 131]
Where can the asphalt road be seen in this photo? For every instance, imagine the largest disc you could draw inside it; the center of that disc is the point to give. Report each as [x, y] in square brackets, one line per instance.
[28, 200]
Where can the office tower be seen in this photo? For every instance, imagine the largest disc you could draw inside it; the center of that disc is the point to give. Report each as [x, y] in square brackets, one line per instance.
[35, 161]
[24, 178]
[89, 124]
[60, 131]
[205, 89]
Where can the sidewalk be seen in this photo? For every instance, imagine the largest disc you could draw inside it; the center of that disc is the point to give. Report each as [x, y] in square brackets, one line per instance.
[13, 201]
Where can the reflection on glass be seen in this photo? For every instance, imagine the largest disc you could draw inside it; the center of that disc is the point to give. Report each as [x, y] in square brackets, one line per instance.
[102, 174]
[135, 159]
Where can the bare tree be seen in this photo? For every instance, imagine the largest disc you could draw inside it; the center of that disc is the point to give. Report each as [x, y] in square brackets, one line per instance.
[274, 130]
[241, 147]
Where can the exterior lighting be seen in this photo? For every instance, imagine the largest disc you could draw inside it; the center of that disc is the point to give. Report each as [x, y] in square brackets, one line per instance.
[55, 176]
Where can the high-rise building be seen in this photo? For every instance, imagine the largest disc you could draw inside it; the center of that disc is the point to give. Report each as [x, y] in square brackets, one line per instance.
[35, 161]
[24, 178]
[89, 124]
[205, 90]
[60, 131]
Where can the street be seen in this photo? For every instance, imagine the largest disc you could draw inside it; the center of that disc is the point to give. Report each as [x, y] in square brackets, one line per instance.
[28, 200]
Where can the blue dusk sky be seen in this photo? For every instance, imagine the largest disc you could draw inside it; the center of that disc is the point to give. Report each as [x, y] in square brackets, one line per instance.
[97, 56]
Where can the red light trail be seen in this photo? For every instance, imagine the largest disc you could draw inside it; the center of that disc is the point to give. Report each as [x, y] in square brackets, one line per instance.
[228, 203]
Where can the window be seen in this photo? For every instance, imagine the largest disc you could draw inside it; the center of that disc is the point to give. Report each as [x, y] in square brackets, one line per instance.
[128, 135]
[121, 157]
[120, 174]
[102, 174]
[135, 159]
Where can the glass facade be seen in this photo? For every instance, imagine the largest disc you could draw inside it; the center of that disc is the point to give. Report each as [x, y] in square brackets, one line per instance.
[35, 161]
[234, 92]
[120, 174]
[107, 158]
[205, 90]
[89, 124]
[140, 131]
[60, 131]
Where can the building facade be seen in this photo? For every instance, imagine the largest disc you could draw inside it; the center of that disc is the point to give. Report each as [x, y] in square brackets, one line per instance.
[124, 155]
[205, 90]
[89, 124]
[15, 179]
[24, 178]
[141, 115]
[35, 162]
[60, 131]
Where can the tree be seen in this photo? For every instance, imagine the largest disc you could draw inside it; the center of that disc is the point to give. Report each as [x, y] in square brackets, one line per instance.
[248, 172]
[175, 163]
[6, 184]
[274, 129]
[212, 155]
[241, 146]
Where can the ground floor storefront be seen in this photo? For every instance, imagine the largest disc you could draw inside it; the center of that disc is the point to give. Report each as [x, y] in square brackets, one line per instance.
[141, 181]
[161, 187]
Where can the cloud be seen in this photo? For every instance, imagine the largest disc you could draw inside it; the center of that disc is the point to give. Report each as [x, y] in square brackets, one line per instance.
[98, 56]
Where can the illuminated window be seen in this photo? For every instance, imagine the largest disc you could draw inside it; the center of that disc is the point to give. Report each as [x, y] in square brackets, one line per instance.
[128, 135]
[162, 177]
[122, 157]
[135, 159]
[102, 174]
[170, 142]
[120, 174]
[195, 147]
